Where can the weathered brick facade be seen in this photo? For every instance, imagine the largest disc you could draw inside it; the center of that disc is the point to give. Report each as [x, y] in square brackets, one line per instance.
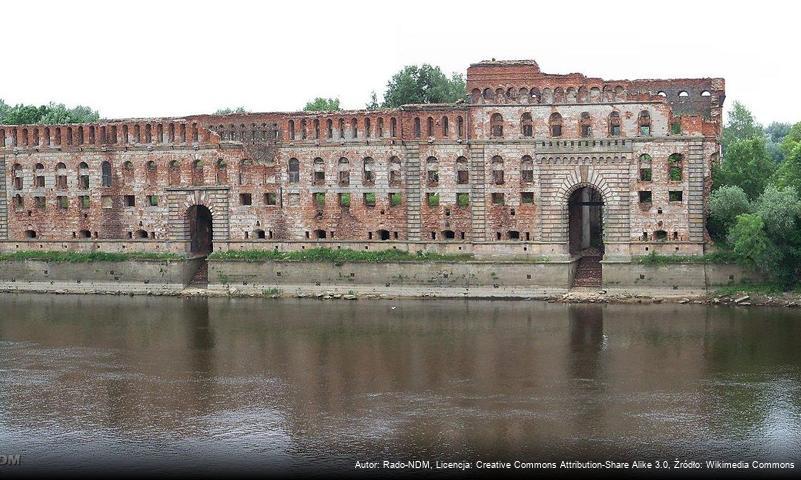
[492, 175]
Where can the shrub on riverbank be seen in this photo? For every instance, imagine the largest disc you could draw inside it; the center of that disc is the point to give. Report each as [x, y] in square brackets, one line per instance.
[724, 256]
[86, 257]
[336, 255]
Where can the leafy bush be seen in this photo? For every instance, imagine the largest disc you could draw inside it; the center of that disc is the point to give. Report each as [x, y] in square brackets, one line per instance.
[725, 204]
[395, 199]
[463, 199]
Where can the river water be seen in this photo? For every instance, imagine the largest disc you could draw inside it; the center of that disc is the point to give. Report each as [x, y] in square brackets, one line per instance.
[146, 384]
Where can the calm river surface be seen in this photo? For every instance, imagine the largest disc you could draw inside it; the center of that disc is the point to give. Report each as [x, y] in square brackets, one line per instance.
[150, 383]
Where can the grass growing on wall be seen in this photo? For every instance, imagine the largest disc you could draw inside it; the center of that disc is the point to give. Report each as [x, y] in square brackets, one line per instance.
[656, 259]
[86, 257]
[335, 255]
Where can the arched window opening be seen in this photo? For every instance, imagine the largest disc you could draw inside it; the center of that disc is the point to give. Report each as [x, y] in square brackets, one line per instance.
[444, 125]
[496, 125]
[303, 129]
[319, 171]
[293, 170]
[329, 128]
[430, 127]
[39, 178]
[555, 124]
[61, 176]
[83, 176]
[526, 125]
[614, 124]
[197, 172]
[497, 170]
[585, 125]
[368, 175]
[291, 129]
[432, 172]
[344, 172]
[368, 128]
[645, 168]
[526, 169]
[393, 127]
[105, 168]
[459, 127]
[354, 129]
[221, 172]
[174, 172]
[644, 122]
[462, 171]
[417, 132]
[675, 167]
[380, 127]
[394, 172]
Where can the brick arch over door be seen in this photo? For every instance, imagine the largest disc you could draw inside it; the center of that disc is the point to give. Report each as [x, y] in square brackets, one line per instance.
[216, 200]
[615, 213]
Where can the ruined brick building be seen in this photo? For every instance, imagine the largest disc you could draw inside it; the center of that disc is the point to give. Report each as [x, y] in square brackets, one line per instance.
[530, 164]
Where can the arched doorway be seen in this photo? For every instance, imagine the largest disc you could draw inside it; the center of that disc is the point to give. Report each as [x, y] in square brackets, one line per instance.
[200, 230]
[585, 209]
[585, 239]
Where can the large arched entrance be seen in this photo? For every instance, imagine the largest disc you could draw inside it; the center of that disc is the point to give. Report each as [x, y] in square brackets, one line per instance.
[200, 230]
[585, 238]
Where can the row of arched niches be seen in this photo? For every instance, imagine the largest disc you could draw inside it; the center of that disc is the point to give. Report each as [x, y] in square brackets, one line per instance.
[607, 93]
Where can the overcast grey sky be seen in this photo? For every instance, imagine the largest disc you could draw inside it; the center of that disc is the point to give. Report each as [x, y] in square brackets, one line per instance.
[162, 58]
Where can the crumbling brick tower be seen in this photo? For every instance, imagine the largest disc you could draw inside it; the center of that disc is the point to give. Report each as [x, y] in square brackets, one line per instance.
[531, 164]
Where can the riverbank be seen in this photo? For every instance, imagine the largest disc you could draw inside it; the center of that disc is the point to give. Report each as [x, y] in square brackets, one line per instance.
[744, 297]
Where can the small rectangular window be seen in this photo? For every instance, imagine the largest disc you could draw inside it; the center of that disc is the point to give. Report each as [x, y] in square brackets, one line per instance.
[527, 197]
[63, 202]
[675, 195]
[41, 202]
[84, 201]
[498, 198]
[645, 174]
[432, 199]
[369, 199]
[107, 201]
[153, 200]
[319, 199]
[497, 177]
[344, 200]
[462, 177]
[245, 199]
[462, 199]
[645, 130]
[270, 198]
[394, 199]
[130, 200]
[645, 196]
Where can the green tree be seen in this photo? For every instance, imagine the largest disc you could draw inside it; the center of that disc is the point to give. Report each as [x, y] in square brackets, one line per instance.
[746, 164]
[752, 245]
[228, 110]
[789, 172]
[373, 104]
[53, 113]
[725, 204]
[423, 84]
[320, 104]
[775, 133]
[740, 125]
[59, 113]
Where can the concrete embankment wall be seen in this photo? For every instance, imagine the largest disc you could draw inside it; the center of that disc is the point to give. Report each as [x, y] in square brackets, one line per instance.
[676, 275]
[435, 274]
[129, 275]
